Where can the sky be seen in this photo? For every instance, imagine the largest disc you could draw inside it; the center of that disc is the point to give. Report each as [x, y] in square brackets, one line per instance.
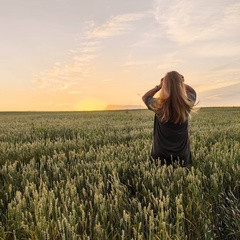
[73, 55]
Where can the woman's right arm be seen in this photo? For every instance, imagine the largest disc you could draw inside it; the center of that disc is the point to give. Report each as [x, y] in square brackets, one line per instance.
[191, 93]
[189, 89]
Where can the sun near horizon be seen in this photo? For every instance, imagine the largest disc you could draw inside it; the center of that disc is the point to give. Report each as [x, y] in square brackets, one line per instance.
[90, 104]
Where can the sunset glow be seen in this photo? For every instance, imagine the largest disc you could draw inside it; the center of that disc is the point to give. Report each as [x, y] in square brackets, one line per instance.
[70, 55]
[90, 105]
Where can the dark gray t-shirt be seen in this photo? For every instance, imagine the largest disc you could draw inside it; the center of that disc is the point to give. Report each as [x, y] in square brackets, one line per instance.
[170, 141]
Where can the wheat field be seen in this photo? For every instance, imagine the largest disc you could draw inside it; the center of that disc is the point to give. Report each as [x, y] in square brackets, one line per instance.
[87, 175]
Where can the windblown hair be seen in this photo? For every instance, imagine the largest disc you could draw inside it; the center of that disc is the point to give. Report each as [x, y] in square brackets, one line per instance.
[173, 104]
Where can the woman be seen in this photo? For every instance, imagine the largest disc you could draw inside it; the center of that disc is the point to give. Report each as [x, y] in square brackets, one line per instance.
[172, 109]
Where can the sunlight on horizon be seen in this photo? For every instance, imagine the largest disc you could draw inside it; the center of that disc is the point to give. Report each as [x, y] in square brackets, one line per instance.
[90, 104]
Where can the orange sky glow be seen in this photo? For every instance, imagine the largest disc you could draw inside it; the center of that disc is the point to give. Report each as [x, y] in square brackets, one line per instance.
[70, 55]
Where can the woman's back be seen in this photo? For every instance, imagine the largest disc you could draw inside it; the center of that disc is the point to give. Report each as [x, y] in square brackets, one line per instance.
[170, 140]
[172, 109]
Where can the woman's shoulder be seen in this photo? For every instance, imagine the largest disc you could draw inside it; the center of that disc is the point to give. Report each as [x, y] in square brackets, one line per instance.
[152, 103]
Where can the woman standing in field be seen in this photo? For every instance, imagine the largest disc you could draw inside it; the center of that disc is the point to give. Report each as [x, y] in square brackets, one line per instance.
[172, 109]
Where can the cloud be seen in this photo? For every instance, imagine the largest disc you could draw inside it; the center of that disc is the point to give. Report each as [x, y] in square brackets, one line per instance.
[59, 77]
[232, 65]
[187, 21]
[225, 95]
[217, 49]
[221, 84]
[217, 78]
[115, 26]
[63, 76]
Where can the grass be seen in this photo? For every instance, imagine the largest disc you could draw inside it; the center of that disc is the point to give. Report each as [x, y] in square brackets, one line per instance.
[87, 175]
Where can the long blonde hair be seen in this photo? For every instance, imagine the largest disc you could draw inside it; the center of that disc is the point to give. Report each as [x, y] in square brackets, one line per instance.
[173, 104]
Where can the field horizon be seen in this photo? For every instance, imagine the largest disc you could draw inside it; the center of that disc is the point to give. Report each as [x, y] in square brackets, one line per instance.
[104, 110]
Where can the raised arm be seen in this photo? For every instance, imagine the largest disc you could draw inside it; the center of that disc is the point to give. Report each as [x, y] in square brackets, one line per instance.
[191, 93]
[151, 92]
[189, 89]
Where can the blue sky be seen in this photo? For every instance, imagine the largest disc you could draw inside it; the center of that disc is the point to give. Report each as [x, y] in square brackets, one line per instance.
[85, 55]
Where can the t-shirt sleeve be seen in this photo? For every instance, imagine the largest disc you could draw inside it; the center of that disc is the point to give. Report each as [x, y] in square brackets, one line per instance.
[192, 96]
[150, 103]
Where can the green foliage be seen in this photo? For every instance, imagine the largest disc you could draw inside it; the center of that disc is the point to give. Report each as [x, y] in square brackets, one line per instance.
[87, 175]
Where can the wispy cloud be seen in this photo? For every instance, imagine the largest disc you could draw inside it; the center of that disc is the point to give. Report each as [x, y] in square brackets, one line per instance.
[59, 77]
[114, 26]
[224, 78]
[210, 86]
[63, 76]
[232, 66]
[221, 96]
[187, 21]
